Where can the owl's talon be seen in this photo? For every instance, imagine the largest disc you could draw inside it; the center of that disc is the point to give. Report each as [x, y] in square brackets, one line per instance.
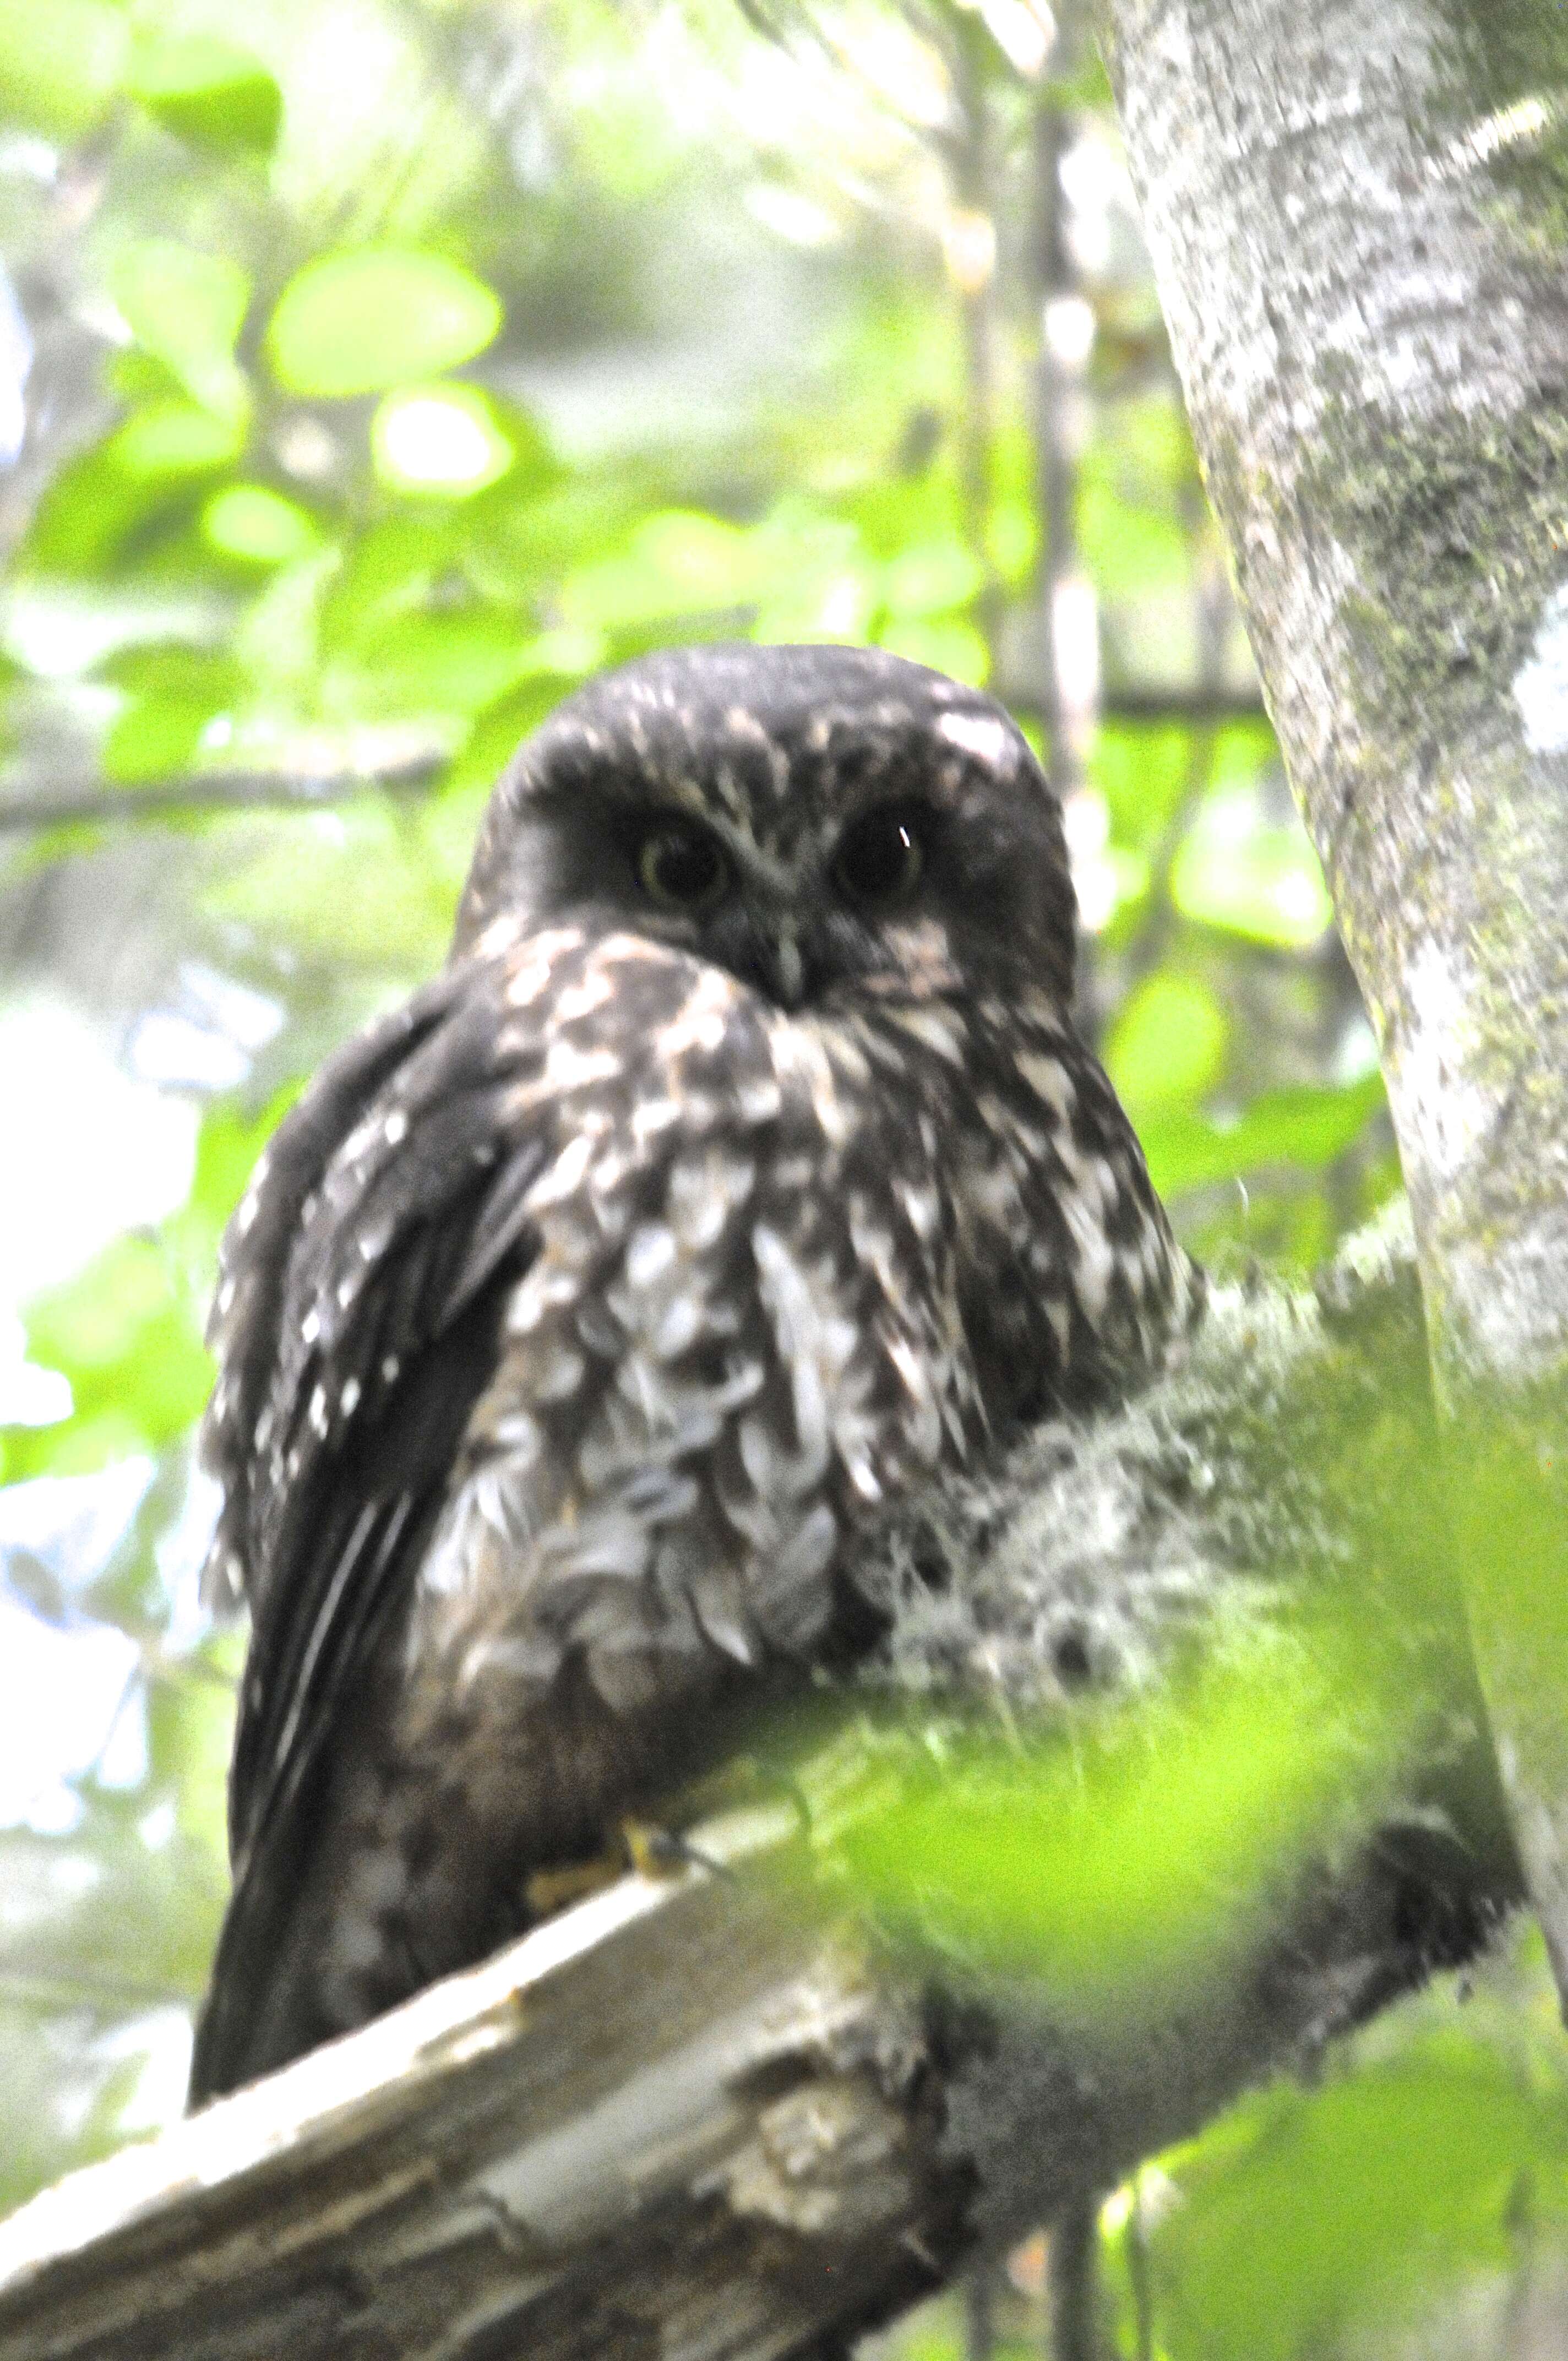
[549, 1891]
[658, 1853]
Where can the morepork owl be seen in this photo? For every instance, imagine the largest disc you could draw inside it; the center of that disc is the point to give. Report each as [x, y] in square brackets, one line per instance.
[741, 1172]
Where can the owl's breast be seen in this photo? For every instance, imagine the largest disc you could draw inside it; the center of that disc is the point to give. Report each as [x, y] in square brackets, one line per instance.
[739, 1338]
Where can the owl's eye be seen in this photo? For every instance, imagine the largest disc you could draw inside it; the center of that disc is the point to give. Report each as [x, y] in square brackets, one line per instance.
[680, 867]
[880, 858]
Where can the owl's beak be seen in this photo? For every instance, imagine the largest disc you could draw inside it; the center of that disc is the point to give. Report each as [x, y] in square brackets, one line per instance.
[759, 941]
[788, 970]
[771, 960]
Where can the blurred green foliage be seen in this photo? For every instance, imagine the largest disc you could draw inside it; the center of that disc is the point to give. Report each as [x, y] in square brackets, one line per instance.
[395, 366]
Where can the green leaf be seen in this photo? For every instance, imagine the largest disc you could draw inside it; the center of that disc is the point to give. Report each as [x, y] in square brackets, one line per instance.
[362, 319]
[1314, 2215]
[1168, 1043]
[124, 1334]
[501, 728]
[259, 527]
[173, 439]
[815, 577]
[1203, 1805]
[60, 63]
[358, 888]
[174, 692]
[188, 308]
[677, 565]
[278, 640]
[112, 501]
[1241, 872]
[526, 534]
[931, 579]
[443, 663]
[207, 90]
[1307, 1126]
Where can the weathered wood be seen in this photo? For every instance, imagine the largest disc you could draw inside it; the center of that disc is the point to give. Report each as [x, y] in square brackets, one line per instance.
[651, 2121]
[725, 2115]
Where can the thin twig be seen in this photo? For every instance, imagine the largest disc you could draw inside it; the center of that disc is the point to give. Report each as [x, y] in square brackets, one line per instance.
[73, 1987]
[221, 791]
[213, 791]
[1138, 2273]
[1072, 701]
[980, 2314]
[1191, 708]
[1072, 2276]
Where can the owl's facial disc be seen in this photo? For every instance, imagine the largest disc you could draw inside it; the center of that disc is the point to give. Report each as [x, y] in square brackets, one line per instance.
[820, 821]
[794, 921]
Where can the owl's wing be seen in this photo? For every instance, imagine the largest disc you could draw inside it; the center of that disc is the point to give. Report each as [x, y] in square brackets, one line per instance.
[359, 1289]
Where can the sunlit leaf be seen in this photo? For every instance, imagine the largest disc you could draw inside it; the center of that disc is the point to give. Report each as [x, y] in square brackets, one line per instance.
[676, 565]
[1239, 871]
[173, 439]
[1132, 547]
[443, 662]
[173, 695]
[187, 307]
[130, 1341]
[1023, 1855]
[1167, 1043]
[931, 577]
[439, 439]
[359, 887]
[816, 580]
[278, 638]
[258, 526]
[61, 64]
[1321, 2214]
[501, 728]
[208, 91]
[110, 503]
[943, 643]
[361, 319]
[1309, 1127]
[528, 531]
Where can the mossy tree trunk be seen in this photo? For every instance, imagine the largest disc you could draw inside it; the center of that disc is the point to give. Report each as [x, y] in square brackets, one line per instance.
[1358, 214]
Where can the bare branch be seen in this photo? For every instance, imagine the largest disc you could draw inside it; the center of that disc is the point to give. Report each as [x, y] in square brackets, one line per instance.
[212, 791]
[726, 2113]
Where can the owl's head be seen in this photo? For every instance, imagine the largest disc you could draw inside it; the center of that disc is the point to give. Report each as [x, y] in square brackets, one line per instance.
[819, 820]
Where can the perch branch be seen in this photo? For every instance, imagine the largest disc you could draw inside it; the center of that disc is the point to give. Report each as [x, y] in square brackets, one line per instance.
[747, 2109]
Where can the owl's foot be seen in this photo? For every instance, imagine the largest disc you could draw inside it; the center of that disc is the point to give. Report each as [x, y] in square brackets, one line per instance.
[552, 1890]
[655, 1851]
[645, 1846]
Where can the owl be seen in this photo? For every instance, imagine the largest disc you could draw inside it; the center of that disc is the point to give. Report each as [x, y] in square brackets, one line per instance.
[741, 1172]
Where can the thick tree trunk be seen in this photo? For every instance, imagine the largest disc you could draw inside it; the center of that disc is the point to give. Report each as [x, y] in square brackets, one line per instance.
[1357, 217]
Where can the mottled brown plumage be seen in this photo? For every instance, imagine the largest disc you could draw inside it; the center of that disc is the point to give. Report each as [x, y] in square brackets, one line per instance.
[741, 1172]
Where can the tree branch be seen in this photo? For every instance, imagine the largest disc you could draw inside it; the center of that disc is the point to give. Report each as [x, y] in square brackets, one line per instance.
[761, 2103]
[227, 791]
[212, 791]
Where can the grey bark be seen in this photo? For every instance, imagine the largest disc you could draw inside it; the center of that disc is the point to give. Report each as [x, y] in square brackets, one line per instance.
[1358, 214]
[751, 2107]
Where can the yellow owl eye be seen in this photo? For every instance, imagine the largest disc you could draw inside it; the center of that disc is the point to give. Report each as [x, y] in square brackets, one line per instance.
[880, 858]
[680, 867]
